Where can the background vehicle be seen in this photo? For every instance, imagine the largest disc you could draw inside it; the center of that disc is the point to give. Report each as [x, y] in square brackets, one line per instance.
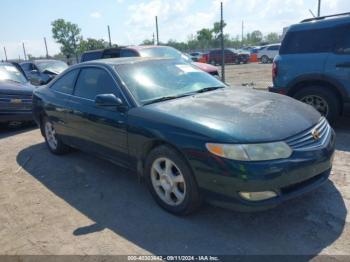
[196, 56]
[146, 51]
[232, 56]
[314, 64]
[15, 95]
[151, 115]
[267, 53]
[41, 72]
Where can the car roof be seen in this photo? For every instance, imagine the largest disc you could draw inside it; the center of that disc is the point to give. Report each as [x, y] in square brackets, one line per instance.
[320, 24]
[133, 47]
[6, 64]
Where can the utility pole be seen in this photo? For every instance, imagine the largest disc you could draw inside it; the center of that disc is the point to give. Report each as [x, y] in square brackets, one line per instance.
[242, 32]
[153, 39]
[5, 54]
[157, 30]
[24, 52]
[109, 36]
[47, 51]
[222, 44]
[319, 8]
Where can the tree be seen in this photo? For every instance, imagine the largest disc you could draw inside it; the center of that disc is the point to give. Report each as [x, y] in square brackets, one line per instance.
[68, 35]
[272, 38]
[92, 44]
[147, 42]
[256, 37]
[217, 29]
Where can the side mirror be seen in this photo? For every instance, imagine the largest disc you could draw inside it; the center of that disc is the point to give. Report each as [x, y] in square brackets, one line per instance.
[108, 100]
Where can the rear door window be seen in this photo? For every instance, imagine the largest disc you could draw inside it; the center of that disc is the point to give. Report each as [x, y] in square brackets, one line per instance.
[342, 45]
[308, 41]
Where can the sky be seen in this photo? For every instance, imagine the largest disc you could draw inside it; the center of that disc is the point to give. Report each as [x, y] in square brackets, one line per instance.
[132, 21]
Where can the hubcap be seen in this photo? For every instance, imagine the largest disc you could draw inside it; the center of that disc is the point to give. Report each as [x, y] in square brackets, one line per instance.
[168, 181]
[50, 135]
[317, 102]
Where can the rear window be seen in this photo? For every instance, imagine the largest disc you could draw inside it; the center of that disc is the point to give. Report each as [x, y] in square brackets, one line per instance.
[308, 41]
[91, 56]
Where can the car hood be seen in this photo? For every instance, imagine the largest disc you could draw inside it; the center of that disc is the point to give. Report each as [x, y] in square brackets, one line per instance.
[242, 115]
[205, 67]
[10, 88]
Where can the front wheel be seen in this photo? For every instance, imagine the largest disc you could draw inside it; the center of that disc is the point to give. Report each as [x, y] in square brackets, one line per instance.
[171, 181]
[53, 142]
[323, 100]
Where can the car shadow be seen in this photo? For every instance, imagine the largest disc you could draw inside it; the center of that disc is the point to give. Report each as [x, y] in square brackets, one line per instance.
[12, 130]
[113, 198]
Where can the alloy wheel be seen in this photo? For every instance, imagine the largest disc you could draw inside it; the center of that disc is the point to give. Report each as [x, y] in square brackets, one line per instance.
[319, 103]
[168, 181]
[50, 134]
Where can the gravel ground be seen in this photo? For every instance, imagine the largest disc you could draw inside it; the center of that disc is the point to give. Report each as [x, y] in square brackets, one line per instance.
[78, 204]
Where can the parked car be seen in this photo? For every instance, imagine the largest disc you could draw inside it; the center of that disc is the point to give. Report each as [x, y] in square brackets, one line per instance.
[267, 53]
[232, 56]
[41, 72]
[146, 51]
[314, 64]
[186, 133]
[196, 56]
[15, 95]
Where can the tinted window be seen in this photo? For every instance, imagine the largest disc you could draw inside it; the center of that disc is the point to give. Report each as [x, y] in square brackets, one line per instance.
[274, 48]
[94, 81]
[128, 53]
[342, 45]
[308, 41]
[65, 84]
[27, 67]
[91, 56]
[111, 53]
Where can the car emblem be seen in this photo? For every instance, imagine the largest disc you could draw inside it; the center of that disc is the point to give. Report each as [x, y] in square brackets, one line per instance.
[316, 134]
[16, 101]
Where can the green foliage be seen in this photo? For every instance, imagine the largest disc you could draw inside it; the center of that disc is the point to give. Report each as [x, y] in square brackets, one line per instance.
[68, 35]
[92, 44]
[272, 38]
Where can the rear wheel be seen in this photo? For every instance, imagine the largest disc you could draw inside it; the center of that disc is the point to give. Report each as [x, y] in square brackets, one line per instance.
[53, 141]
[323, 100]
[171, 181]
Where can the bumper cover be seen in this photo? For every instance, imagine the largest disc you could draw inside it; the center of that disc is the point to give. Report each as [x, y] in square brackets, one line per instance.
[14, 116]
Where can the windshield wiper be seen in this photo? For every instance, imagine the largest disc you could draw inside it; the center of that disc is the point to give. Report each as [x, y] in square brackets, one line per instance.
[165, 98]
[207, 89]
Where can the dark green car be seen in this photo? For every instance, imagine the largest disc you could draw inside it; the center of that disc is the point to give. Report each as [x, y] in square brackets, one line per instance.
[190, 136]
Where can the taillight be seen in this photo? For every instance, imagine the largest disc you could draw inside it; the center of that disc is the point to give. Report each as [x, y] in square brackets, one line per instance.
[274, 70]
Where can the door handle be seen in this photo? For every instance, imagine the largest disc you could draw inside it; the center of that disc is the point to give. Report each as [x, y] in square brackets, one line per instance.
[343, 65]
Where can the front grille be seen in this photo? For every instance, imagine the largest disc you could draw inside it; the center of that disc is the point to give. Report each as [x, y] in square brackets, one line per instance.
[15, 102]
[306, 140]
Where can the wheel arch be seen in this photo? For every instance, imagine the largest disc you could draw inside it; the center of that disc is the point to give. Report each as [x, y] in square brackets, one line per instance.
[331, 84]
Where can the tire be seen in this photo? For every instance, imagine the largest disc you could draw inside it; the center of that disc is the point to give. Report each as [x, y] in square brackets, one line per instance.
[53, 142]
[322, 99]
[237, 61]
[264, 59]
[158, 182]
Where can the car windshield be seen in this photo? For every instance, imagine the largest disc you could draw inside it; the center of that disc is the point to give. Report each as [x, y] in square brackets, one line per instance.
[152, 81]
[54, 66]
[164, 51]
[11, 73]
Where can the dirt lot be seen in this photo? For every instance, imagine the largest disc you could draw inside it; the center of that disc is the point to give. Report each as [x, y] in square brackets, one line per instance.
[77, 204]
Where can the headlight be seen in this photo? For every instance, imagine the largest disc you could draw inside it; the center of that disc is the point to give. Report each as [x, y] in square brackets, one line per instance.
[251, 152]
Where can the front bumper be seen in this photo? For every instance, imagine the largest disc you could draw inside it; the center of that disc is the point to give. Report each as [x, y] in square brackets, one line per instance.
[221, 180]
[16, 116]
